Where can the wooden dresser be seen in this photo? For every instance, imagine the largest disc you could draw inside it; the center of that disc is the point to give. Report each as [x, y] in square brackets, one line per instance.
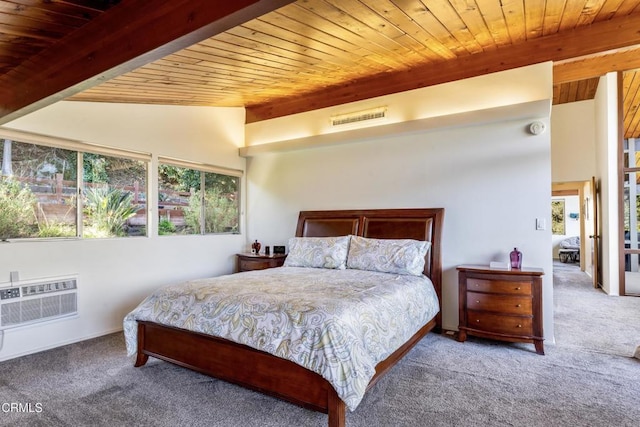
[501, 304]
[248, 262]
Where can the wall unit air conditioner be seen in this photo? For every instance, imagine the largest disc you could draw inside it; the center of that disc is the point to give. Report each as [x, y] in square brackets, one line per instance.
[38, 301]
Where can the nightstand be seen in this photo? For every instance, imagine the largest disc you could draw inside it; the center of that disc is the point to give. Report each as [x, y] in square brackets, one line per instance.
[501, 304]
[247, 262]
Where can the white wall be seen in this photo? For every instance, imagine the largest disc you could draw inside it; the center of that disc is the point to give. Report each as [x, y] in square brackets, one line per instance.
[116, 274]
[506, 88]
[573, 141]
[606, 109]
[493, 180]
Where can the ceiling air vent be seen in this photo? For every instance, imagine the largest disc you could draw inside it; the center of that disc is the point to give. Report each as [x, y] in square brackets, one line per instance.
[359, 116]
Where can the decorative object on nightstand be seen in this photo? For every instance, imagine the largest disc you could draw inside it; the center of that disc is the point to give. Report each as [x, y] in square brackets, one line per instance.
[255, 247]
[501, 305]
[247, 262]
[516, 258]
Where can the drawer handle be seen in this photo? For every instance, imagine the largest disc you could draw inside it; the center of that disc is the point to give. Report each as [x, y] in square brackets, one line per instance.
[518, 305]
[519, 326]
[477, 302]
[477, 320]
[518, 288]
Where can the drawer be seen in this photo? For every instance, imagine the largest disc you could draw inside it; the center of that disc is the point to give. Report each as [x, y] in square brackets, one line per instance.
[511, 325]
[507, 304]
[499, 286]
[254, 264]
[248, 262]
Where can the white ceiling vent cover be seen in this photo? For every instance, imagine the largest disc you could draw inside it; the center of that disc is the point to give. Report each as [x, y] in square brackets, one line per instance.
[359, 116]
[38, 301]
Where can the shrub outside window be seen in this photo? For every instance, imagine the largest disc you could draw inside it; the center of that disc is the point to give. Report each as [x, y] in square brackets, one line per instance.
[196, 201]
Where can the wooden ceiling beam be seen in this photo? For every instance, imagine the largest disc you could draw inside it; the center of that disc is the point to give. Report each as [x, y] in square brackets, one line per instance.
[597, 65]
[127, 36]
[597, 37]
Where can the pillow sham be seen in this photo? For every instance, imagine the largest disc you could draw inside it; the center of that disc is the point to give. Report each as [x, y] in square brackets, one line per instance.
[318, 252]
[399, 256]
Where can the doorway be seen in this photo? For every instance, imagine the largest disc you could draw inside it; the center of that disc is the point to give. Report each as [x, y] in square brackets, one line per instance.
[578, 214]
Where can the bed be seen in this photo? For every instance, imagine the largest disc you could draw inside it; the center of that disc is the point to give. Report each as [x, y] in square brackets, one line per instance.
[260, 370]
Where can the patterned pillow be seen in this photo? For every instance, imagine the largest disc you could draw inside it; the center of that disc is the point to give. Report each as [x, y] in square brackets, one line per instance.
[400, 256]
[318, 252]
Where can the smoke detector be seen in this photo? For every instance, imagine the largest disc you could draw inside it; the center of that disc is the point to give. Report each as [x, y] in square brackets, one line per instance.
[536, 128]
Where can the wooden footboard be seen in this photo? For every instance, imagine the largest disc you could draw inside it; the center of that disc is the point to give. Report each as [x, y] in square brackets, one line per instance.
[254, 369]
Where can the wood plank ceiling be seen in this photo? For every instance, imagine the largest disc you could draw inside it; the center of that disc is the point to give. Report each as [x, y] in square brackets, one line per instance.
[315, 53]
[631, 103]
[28, 27]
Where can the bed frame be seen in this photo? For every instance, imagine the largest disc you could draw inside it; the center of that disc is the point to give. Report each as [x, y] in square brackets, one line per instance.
[281, 378]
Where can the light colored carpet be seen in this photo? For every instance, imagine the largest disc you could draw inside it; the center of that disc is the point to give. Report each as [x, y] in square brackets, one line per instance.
[589, 320]
[589, 378]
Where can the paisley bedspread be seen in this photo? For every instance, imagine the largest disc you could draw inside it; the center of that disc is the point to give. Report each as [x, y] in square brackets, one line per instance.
[337, 323]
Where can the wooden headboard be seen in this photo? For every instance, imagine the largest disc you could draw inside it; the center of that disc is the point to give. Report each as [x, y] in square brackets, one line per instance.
[418, 224]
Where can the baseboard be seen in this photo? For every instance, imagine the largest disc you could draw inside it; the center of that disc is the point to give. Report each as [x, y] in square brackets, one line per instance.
[61, 344]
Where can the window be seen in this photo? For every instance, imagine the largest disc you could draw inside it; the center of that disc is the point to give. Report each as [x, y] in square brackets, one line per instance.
[38, 191]
[114, 202]
[197, 199]
[40, 182]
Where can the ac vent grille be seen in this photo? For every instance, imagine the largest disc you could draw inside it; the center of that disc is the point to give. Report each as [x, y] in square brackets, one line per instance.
[38, 302]
[360, 116]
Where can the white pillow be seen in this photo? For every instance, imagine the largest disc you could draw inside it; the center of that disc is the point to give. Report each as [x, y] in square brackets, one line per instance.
[399, 256]
[318, 252]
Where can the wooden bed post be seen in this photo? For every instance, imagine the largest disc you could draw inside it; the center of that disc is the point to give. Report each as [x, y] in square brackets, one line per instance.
[336, 409]
[141, 358]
